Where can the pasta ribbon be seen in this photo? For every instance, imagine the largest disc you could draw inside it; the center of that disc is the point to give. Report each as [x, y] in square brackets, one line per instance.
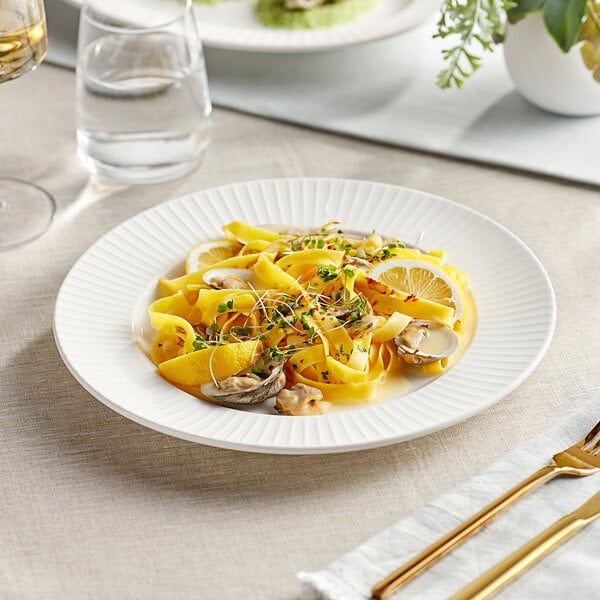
[414, 307]
[170, 286]
[275, 277]
[303, 265]
[242, 232]
[175, 333]
[212, 303]
[304, 306]
[391, 327]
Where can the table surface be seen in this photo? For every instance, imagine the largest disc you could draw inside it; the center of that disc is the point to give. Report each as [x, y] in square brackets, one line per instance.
[95, 506]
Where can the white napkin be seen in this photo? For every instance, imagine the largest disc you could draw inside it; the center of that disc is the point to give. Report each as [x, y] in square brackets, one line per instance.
[570, 571]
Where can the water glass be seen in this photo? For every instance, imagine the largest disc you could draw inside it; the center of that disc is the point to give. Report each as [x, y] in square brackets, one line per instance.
[143, 107]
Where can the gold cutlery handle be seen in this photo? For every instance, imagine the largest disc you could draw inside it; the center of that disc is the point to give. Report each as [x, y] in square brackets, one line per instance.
[437, 550]
[511, 567]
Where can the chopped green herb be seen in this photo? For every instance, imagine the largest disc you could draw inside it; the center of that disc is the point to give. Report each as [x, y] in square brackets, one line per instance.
[199, 343]
[257, 370]
[310, 330]
[240, 331]
[274, 354]
[327, 272]
[224, 307]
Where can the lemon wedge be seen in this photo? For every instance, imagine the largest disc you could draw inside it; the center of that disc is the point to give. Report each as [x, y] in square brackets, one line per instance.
[208, 253]
[421, 279]
[210, 364]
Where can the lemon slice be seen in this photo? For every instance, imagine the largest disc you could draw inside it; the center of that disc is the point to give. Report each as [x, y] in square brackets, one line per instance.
[209, 253]
[202, 366]
[421, 279]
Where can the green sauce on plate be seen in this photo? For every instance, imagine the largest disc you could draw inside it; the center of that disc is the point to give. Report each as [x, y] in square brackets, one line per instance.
[273, 14]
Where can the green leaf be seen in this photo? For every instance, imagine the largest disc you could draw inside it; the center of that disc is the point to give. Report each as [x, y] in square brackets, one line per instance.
[225, 307]
[563, 20]
[199, 343]
[525, 7]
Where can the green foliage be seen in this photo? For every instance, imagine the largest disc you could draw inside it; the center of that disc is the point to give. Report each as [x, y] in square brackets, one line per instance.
[563, 20]
[524, 7]
[475, 23]
[478, 24]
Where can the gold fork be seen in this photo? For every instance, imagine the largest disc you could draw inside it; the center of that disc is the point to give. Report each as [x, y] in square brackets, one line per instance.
[581, 459]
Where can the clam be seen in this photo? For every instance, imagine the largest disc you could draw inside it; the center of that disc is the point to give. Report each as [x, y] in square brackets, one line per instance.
[301, 400]
[422, 342]
[359, 263]
[245, 389]
[362, 325]
[229, 279]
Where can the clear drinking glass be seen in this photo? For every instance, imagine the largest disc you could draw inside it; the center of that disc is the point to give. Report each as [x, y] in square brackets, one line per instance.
[143, 107]
[26, 210]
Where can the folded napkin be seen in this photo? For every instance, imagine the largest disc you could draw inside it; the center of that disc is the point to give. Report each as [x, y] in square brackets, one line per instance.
[571, 570]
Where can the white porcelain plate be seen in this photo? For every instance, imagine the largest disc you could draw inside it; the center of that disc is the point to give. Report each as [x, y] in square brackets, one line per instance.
[104, 297]
[232, 24]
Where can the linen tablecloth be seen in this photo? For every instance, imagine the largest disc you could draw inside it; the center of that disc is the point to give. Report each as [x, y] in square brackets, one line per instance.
[95, 506]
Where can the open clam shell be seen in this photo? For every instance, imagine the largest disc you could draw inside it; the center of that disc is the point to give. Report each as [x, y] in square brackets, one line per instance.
[228, 278]
[422, 342]
[245, 389]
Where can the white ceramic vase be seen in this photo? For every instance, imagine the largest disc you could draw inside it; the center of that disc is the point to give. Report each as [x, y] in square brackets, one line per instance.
[545, 75]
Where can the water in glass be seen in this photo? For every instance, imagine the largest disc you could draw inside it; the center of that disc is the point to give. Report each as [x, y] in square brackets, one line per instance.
[143, 105]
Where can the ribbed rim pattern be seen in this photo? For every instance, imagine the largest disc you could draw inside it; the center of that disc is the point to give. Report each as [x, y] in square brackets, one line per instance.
[96, 303]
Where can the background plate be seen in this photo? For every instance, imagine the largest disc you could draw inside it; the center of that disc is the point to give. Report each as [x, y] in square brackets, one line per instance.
[232, 24]
[111, 283]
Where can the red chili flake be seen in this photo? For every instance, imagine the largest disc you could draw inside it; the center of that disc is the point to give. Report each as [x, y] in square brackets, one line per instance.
[410, 298]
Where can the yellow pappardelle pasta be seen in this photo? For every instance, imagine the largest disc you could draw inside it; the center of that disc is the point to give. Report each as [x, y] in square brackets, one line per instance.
[310, 318]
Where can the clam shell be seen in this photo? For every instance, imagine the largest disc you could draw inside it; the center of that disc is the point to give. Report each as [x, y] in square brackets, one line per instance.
[261, 391]
[433, 342]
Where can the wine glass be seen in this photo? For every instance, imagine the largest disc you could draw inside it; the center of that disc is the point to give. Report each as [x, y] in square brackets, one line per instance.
[26, 210]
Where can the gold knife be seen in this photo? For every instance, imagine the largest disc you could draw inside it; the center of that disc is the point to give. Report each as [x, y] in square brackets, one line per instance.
[511, 567]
